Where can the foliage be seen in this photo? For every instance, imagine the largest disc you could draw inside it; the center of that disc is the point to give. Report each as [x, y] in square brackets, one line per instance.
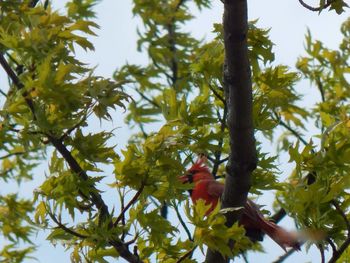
[53, 98]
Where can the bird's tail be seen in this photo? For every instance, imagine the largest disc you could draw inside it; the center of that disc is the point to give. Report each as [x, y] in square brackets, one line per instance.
[281, 236]
[253, 218]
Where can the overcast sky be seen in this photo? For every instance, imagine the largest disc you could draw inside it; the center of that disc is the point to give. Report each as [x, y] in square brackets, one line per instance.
[116, 44]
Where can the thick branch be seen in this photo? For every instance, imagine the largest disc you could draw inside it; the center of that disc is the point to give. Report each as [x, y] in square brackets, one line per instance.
[238, 95]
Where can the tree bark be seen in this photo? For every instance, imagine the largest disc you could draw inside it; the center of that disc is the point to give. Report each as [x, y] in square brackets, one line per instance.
[238, 96]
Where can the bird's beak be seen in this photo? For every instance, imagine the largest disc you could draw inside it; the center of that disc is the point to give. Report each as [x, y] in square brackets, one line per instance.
[183, 179]
[187, 178]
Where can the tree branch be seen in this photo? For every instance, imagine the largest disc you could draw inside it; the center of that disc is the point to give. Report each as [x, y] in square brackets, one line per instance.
[132, 201]
[290, 129]
[317, 8]
[217, 95]
[182, 222]
[320, 248]
[62, 226]
[331, 243]
[218, 153]
[342, 214]
[16, 81]
[95, 197]
[238, 96]
[11, 154]
[186, 255]
[147, 99]
[285, 256]
[337, 254]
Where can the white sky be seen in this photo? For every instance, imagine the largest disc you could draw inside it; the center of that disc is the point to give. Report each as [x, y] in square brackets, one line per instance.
[116, 44]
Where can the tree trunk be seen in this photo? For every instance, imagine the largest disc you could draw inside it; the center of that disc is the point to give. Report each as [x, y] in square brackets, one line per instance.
[238, 96]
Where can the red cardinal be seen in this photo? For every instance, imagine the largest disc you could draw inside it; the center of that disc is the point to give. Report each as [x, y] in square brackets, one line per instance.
[206, 188]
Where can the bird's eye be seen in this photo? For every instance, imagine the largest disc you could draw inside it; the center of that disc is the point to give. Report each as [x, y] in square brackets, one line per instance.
[190, 177]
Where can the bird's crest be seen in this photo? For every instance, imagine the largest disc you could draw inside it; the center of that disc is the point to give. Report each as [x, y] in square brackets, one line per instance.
[199, 166]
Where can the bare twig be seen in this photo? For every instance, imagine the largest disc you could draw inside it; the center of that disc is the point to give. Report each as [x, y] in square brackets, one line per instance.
[285, 256]
[182, 222]
[290, 129]
[11, 154]
[331, 243]
[147, 99]
[220, 97]
[337, 254]
[3, 93]
[76, 126]
[244, 256]
[223, 160]
[132, 241]
[62, 226]
[218, 153]
[280, 214]
[321, 89]
[186, 255]
[320, 248]
[131, 202]
[317, 8]
[342, 214]
[122, 206]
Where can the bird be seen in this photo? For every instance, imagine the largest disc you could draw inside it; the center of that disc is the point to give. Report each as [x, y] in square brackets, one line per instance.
[252, 219]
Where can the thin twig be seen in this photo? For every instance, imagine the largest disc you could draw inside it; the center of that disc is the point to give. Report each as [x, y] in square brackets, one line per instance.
[342, 214]
[294, 132]
[132, 241]
[285, 256]
[122, 206]
[3, 93]
[16, 81]
[186, 255]
[182, 222]
[68, 132]
[11, 154]
[321, 89]
[331, 243]
[179, 4]
[132, 201]
[278, 216]
[244, 256]
[221, 98]
[317, 8]
[148, 99]
[6, 172]
[337, 254]
[160, 68]
[62, 226]
[218, 153]
[320, 248]
[223, 160]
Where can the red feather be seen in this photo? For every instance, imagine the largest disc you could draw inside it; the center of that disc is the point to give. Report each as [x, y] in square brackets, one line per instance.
[206, 188]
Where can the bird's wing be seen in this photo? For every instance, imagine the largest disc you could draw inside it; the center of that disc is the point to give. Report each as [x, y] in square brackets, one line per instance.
[215, 189]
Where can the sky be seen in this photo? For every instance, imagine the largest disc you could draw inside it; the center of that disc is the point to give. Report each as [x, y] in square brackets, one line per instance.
[116, 45]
